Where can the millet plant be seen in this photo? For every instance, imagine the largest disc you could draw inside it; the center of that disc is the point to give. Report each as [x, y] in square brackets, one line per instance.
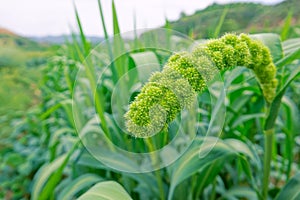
[186, 74]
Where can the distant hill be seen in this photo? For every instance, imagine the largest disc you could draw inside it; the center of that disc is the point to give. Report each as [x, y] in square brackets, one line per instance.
[8, 39]
[17, 51]
[241, 17]
[63, 38]
[5, 31]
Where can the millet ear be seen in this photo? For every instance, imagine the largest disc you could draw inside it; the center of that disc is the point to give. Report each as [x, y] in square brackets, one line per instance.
[176, 86]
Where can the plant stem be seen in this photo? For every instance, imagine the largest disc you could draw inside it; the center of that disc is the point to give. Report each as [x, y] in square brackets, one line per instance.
[204, 179]
[272, 113]
[160, 185]
[267, 161]
[213, 192]
[154, 159]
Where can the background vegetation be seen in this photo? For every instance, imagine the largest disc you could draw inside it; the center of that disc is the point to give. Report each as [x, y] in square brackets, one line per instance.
[241, 18]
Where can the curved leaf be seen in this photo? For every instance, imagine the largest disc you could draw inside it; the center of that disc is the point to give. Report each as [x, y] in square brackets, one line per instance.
[242, 148]
[240, 193]
[149, 63]
[43, 175]
[291, 45]
[77, 185]
[48, 176]
[108, 190]
[193, 161]
[292, 76]
[289, 58]
[291, 50]
[291, 189]
[247, 117]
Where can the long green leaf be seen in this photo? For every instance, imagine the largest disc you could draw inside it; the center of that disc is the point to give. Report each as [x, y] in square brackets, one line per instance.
[54, 179]
[108, 190]
[287, 25]
[144, 180]
[289, 58]
[145, 63]
[120, 56]
[292, 76]
[43, 175]
[290, 128]
[220, 23]
[115, 19]
[274, 109]
[85, 43]
[192, 161]
[242, 148]
[208, 175]
[77, 185]
[290, 45]
[246, 117]
[291, 189]
[103, 21]
[240, 193]
[108, 42]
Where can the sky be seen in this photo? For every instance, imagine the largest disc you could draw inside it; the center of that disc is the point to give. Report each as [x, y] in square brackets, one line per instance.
[56, 17]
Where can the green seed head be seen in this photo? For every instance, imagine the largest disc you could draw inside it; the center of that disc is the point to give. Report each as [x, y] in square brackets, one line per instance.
[186, 74]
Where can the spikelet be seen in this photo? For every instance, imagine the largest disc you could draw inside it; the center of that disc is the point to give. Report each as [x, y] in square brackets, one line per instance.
[186, 74]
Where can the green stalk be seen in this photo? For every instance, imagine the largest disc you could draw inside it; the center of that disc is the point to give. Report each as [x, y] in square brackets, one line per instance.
[109, 45]
[90, 72]
[204, 179]
[213, 192]
[272, 113]
[221, 22]
[267, 161]
[287, 25]
[150, 146]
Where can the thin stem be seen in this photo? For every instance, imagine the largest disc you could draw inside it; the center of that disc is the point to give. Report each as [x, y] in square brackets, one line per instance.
[267, 161]
[272, 113]
[154, 159]
[213, 192]
[204, 179]
[160, 185]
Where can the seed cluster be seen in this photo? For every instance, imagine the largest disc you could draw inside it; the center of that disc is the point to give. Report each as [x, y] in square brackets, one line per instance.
[186, 74]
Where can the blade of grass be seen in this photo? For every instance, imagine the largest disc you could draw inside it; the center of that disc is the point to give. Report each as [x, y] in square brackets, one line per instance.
[76, 46]
[78, 185]
[109, 46]
[106, 190]
[103, 21]
[221, 22]
[90, 72]
[288, 59]
[48, 190]
[287, 25]
[85, 44]
[136, 42]
[115, 19]
[168, 33]
[121, 63]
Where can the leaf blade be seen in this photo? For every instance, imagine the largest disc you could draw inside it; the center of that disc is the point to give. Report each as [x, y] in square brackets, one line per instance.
[290, 190]
[106, 190]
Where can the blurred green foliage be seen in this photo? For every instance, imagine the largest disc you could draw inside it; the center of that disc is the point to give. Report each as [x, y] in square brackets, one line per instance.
[21, 64]
[241, 18]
